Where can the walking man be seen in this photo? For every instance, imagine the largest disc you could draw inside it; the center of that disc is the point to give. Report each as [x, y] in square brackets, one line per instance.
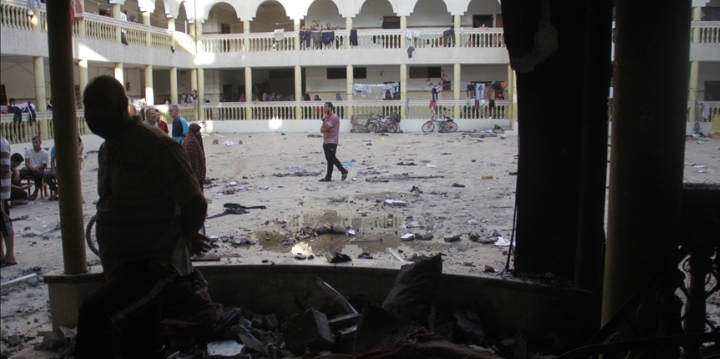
[331, 133]
[148, 217]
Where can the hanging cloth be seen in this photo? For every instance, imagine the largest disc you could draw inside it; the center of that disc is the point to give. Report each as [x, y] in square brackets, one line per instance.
[353, 37]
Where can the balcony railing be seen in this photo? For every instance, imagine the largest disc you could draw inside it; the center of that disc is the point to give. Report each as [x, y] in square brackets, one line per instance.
[709, 32]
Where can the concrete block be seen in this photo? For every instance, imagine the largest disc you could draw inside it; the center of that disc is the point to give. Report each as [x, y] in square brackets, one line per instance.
[308, 329]
[67, 292]
[53, 340]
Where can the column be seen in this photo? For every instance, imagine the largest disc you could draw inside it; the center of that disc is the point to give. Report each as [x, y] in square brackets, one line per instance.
[694, 67]
[248, 89]
[201, 93]
[149, 90]
[39, 71]
[83, 74]
[348, 26]
[246, 30]
[458, 35]
[403, 26]
[198, 33]
[298, 91]
[146, 18]
[116, 11]
[173, 85]
[80, 23]
[65, 127]
[296, 36]
[171, 24]
[641, 224]
[510, 111]
[456, 89]
[191, 29]
[349, 94]
[120, 73]
[403, 89]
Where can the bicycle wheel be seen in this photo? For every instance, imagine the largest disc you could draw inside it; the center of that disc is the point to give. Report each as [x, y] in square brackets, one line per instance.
[451, 126]
[91, 238]
[372, 127]
[393, 127]
[428, 126]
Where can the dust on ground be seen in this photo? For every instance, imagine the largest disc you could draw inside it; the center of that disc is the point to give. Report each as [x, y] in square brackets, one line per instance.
[276, 171]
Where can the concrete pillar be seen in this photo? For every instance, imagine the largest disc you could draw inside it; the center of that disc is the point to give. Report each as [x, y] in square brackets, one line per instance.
[246, 30]
[173, 85]
[456, 89]
[149, 90]
[692, 90]
[642, 224]
[694, 67]
[39, 72]
[248, 91]
[191, 29]
[348, 26]
[201, 94]
[171, 24]
[198, 40]
[458, 35]
[298, 91]
[696, 16]
[349, 91]
[83, 75]
[146, 18]
[403, 88]
[80, 23]
[511, 94]
[296, 36]
[62, 84]
[403, 26]
[120, 73]
[116, 11]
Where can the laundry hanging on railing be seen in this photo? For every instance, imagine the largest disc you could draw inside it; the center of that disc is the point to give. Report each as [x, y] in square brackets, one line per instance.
[353, 37]
[279, 34]
[364, 89]
[328, 37]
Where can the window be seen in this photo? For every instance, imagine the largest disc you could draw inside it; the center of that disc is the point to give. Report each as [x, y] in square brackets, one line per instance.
[340, 73]
[425, 72]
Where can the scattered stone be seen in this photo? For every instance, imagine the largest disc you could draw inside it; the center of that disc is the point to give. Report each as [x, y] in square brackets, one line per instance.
[454, 238]
[424, 236]
[53, 340]
[474, 236]
[308, 330]
[15, 340]
[407, 237]
[472, 222]
[365, 255]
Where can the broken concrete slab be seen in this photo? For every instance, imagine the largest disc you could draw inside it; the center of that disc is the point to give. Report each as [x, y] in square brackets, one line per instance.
[308, 330]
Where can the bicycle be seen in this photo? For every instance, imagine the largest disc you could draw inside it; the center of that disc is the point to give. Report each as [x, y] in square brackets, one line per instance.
[389, 124]
[91, 238]
[446, 125]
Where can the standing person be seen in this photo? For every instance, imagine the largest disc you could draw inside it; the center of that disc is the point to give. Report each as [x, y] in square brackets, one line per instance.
[331, 134]
[15, 111]
[179, 126]
[7, 242]
[149, 213]
[36, 162]
[161, 123]
[193, 146]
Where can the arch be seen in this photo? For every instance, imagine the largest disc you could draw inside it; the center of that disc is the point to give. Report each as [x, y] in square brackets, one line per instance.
[480, 7]
[371, 11]
[323, 11]
[204, 13]
[428, 13]
[367, 3]
[271, 15]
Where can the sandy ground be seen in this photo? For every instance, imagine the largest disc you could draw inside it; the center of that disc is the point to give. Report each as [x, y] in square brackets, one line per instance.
[263, 167]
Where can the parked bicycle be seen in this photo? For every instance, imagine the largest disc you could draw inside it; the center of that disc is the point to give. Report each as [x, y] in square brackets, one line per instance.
[389, 124]
[445, 125]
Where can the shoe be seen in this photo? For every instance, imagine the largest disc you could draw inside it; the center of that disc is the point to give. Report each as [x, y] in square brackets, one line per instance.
[5, 263]
[344, 176]
[324, 180]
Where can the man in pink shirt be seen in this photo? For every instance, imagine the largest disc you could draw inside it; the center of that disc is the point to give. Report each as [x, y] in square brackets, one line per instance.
[331, 133]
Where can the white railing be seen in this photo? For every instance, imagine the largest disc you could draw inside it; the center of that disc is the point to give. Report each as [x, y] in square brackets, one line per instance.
[704, 110]
[709, 31]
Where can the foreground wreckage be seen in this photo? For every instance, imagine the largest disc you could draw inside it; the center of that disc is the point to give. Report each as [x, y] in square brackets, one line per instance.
[405, 325]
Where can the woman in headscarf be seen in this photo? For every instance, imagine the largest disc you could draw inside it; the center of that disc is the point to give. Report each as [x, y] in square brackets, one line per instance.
[193, 145]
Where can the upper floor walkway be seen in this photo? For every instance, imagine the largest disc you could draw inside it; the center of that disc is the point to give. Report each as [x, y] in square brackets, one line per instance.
[102, 38]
